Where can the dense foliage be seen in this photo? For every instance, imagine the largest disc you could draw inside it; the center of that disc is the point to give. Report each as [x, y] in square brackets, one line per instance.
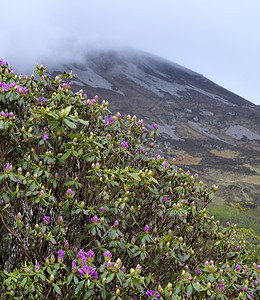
[89, 211]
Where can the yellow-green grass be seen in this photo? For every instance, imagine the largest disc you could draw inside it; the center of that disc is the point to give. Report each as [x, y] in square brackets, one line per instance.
[225, 153]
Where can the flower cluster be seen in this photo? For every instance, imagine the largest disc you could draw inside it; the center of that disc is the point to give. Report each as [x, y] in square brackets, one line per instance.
[7, 115]
[5, 87]
[88, 180]
[86, 270]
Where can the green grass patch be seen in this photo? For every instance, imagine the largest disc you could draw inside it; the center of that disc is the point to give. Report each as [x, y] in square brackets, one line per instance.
[243, 219]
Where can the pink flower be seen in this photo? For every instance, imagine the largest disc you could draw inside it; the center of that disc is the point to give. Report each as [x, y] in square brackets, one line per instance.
[66, 245]
[107, 255]
[69, 193]
[125, 145]
[60, 255]
[146, 229]
[116, 224]
[46, 220]
[95, 220]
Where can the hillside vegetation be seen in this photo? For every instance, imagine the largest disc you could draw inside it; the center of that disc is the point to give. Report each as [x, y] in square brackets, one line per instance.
[88, 210]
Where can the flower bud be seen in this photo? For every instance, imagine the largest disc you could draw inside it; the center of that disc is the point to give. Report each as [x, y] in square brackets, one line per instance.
[117, 292]
[169, 287]
[132, 272]
[51, 278]
[160, 289]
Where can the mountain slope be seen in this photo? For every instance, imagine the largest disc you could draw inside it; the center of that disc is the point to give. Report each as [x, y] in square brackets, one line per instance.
[207, 128]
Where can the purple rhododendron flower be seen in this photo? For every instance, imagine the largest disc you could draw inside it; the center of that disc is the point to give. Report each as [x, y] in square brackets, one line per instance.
[8, 167]
[87, 271]
[116, 223]
[2, 62]
[155, 126]
[45, 136]
[125, 145]
[237, 268]
[198, 272]
[69, 192]
[60, 255]
[37, 267]
[165, 199]
[107, 255]
[81, 254]
[138, 269]
[74, 265]
[46, 220]
[66, 245]
[90, 256]
[152, 293]
[146, 229]
[95, 220]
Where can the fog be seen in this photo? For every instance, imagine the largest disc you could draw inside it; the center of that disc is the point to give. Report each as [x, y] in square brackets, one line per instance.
[217, 38]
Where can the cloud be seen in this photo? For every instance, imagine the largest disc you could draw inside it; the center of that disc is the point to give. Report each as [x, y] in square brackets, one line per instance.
[209, 37]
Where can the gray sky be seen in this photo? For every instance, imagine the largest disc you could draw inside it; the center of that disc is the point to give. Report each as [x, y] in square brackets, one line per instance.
[217, 38]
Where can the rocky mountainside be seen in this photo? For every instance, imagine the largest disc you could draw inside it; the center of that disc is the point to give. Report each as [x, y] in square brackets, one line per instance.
[208, 129]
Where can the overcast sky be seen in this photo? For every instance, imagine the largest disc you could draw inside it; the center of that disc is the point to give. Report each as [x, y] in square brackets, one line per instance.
[217, 38]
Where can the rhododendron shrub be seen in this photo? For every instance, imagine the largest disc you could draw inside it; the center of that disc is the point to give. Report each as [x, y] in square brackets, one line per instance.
[89, 210]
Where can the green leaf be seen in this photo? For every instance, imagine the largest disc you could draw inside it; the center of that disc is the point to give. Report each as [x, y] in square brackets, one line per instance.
[110, 277]
[189, 290]
[70, 124]
[66, 206]
[66, 155]
[83, 122]
[24, 281]
[69, 279]
[67, 110]
[196, 286]
[135, 176]
[79, 287]
[76, 279]
[104, 294]
[57, 289]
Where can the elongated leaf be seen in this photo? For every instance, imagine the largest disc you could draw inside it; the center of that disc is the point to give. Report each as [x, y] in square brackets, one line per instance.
[57, 289]
[66, 154]
[83, 122]
[79, 287]
[196, 286]
[110, 277]
[70, 124]
[24, 281]
[69, 278]
[67, 110]
[135, 176]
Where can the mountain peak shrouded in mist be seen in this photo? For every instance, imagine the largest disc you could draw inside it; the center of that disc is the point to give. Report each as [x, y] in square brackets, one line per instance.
[208, 129]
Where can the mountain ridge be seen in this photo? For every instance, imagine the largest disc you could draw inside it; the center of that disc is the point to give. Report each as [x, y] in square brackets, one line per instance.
[208, 129]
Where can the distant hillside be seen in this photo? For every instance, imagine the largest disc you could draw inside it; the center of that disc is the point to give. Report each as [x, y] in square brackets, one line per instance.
[207, 128]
